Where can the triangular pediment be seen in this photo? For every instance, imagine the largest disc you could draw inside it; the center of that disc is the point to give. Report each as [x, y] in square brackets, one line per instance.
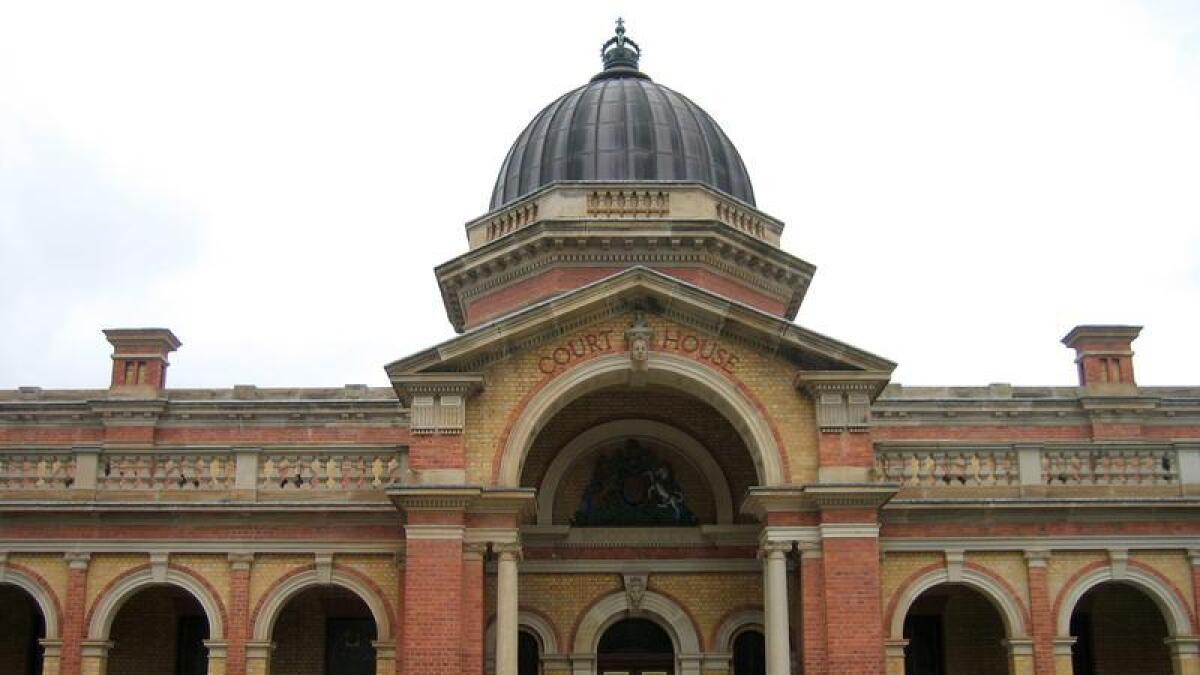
[638, 289]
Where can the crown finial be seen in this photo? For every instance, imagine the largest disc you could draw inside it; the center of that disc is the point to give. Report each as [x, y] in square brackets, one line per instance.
[620, 54]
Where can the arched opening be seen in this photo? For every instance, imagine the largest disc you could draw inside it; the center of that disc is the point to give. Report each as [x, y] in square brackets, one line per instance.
[952, 628]
[1118, 629]
[529, 657]
[324, 630]
[159, 630]
[635, 646]
[644, 456]
[21, 627]
[750, 653]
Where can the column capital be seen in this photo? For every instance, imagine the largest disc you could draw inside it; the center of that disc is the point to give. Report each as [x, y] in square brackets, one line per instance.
[774, 549]
[507, 551]
[1019, 646]
[474, 551]
[1184, 645]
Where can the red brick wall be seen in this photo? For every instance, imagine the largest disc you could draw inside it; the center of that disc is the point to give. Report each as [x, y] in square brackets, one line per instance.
[472, 607]
[73, 627]
[812, 616]
[433, 588]
[852, 606]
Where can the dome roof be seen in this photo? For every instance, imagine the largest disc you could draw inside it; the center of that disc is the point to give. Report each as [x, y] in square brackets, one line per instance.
[621, 126]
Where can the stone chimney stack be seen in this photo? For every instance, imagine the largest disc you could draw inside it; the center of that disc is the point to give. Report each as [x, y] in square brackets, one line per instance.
[1104, 357]
[140, 360]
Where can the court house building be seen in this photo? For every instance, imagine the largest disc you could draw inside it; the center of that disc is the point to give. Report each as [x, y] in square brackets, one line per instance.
[630, 460]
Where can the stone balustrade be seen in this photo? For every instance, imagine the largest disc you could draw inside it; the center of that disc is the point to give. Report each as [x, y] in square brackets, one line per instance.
[1110, 466]
[1037, 465]
[246, 471]
[948, 468]
[36, 471]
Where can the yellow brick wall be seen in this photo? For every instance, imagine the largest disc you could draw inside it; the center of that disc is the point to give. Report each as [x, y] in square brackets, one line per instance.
[268, 569]
[213, 568]
[563, 598]
[104, 567]
[1009, 566]
[1175, 566]
[769, 379]
[1063, 565]
[896, 568]
[709, 598]
[51, 567]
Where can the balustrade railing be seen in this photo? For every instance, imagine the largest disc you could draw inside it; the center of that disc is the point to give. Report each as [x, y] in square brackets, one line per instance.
[333, 471]
[1110, 466]
[36, 471]
[1034, 465]
[151, 471]
[242, 470]
[953, 468]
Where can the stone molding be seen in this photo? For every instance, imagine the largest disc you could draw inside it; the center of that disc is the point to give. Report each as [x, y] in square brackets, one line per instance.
[1001, 598]
[1175, 613]
[110, 602]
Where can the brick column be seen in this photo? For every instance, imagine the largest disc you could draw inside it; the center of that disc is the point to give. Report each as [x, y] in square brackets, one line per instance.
[853, 609]
[812, 609]
[473, 609]
[433, 599]
[74, 614]
[1041, 615]
[237, 633]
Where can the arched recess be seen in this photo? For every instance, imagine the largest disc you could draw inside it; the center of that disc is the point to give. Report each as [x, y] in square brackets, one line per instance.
[1000, 597]
[41, 595]
[662, 369]
[1173, 610]
[120, 592]
[535, 624]
[273, 604]
[734, 624]
[654, 606]
[650, 430]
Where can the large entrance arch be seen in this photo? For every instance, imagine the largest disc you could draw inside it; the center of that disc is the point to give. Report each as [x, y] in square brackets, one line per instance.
[661, 369]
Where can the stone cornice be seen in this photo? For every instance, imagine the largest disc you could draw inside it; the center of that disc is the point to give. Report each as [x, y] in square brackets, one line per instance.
[408, 385]
[851, 495]
[434, 497]
[733, 254]
[640, 286]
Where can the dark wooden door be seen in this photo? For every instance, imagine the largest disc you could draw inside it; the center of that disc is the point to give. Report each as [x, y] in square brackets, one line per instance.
[925, 654]
[348, 648]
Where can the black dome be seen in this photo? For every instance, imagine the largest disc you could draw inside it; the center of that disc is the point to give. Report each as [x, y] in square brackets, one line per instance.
[621, 126]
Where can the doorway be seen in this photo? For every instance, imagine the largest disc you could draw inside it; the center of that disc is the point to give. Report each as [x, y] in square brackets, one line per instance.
[636, 647]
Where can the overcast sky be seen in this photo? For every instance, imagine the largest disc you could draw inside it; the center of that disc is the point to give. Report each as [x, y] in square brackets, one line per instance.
[276, 181]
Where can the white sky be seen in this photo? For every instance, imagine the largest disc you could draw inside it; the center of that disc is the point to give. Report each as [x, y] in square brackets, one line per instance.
[276, 181]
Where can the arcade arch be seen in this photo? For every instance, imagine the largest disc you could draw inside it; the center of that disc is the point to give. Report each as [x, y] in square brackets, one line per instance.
[662, 370]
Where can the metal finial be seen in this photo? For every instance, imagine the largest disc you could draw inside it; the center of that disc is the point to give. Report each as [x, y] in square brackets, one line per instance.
[620, 53]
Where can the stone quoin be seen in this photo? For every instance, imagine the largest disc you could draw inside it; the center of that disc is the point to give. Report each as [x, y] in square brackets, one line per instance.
[630, 461]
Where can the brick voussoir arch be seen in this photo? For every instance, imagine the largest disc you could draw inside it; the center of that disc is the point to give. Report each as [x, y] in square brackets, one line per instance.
[304, 577]
[999, 593]
[43, 596]
[117, 592]
[1173, 605]
[729, 396]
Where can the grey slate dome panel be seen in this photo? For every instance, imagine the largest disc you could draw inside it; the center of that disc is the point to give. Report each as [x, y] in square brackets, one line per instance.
[621, 126]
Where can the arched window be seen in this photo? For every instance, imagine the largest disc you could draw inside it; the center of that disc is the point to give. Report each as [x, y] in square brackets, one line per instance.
[528, 655]
[749, 653]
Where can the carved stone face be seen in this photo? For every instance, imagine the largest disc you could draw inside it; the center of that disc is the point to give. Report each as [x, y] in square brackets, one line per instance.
[638, 351]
